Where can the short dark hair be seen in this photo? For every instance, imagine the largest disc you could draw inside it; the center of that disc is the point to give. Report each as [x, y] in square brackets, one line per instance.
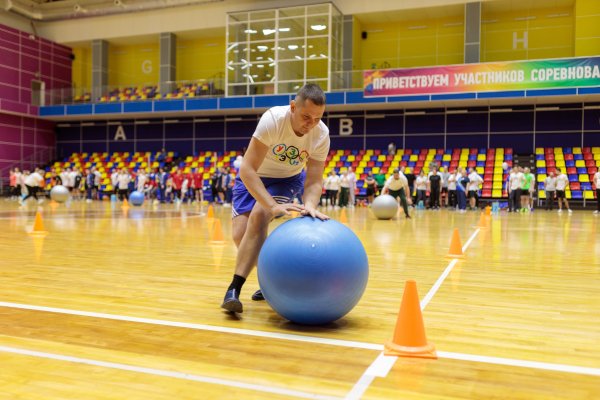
[312, 92]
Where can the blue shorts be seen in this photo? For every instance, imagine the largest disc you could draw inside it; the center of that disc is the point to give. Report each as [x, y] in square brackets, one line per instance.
[283, 190]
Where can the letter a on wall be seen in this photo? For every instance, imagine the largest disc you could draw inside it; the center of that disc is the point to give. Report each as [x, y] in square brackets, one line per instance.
[120, 133]
[346, 127]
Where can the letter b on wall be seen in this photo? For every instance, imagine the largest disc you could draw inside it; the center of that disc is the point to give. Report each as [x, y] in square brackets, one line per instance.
[346, 126]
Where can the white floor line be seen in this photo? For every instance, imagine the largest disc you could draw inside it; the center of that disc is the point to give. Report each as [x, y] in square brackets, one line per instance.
[383, 364]
[201, 327]
[468, 242]
[521, 363]
[306, 339]
[168, 374]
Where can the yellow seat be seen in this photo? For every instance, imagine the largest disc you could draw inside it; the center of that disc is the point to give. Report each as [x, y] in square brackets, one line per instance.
[497, 193]
[539, 150]
[541, 177]
[580, 163]
[447, 157]
[480, 157]
[480, 170]
[588, 195]
[584, 178]
[542, 194]
[540, 163]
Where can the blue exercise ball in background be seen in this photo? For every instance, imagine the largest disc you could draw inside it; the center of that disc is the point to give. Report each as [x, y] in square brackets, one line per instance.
[59, 193]
[136, 198]
[311, 271]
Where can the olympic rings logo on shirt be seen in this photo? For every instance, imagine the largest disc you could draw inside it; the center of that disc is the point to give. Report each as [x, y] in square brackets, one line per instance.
[290, 153]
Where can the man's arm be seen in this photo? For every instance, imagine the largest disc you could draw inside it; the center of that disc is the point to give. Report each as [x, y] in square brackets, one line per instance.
[313, 188]
[253, 159]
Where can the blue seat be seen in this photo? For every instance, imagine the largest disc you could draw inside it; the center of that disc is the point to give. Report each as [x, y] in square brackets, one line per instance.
[481, 163]
[570, 163]
[412, 164]
[567, 150]
[541, 170]
[472, 157]
[582, 170]
[539, 157]
[577, 194]
[578, 156]
[508, 157]
[405, 157]
[586, 185]
[541, 186]
[573, 178]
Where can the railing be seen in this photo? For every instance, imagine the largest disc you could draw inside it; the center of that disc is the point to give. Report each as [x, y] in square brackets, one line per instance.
[209, 87]
[36, 159]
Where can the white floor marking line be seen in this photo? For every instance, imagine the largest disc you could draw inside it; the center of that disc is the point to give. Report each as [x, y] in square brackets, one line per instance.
[201, 327]
[383, 364]
[168, 374]
[521, 363]
[468, 242]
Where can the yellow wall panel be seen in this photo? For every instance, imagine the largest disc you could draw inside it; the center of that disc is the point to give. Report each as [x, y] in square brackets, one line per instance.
[82, 69]
[549, 34]
[202, 58]
[135, 65]
[587, 27]
[412, 43]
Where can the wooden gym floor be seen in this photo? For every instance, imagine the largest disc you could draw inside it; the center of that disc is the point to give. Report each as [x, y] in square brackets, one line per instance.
[124, 304]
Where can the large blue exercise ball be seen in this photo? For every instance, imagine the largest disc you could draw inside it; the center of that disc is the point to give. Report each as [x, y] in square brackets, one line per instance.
[136, 198]
[311, 271]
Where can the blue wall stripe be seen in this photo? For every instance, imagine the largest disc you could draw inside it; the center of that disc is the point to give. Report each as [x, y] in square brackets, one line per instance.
[201, 104]
[137, 106]
[270, 101]
[111, 108]
[169, 105]
[235, 102]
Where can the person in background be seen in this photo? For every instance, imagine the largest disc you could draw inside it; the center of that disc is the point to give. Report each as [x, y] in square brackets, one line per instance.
[596, 182]
[352, 185]
[397, 187]
[550, 188]
[562, 183]
[421, 188]
[371, 187]
[462, 182]
[452, 178]
[475, 182]
[344, 189]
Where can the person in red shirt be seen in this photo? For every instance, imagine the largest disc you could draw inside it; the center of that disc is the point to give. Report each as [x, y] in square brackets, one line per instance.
[177, 183]
[197, 183]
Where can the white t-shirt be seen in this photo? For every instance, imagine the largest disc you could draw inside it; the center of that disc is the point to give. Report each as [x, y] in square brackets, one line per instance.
[421, 182]
[34, 179]
[396, 184]
[344, 181]
[452, 182]
[332, 182]
[65, 178]
[515, 180]
[72, 176]
[141, 181]
[561, 182]
[123, 181]
[288, 153]
[474, 181]
[550, 184]
[597, 180]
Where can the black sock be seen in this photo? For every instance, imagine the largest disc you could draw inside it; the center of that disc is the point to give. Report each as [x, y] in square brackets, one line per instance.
[237, 283]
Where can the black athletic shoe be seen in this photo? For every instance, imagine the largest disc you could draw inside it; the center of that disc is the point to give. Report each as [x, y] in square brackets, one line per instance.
[232, 302]
[258, 296]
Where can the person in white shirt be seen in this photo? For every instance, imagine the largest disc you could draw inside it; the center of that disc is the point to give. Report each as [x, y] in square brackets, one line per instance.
[562, 182]
[32, 183]
[596, 181]
[452, 189]
[352, 181]
[286, 140]
[114, 181]
[141, 180]
[344, 189]
[514, 190]
[444, 196]
[123, 183]
[421, 185]
[65, 177]
[550, 188]
[397, 187]
[474, 182]
[332, 187]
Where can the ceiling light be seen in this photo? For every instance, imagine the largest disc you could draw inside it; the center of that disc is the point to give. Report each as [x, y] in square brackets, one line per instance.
[250, 31]
[262, 48]
[284, 29]
[292, 46]
[268, 32]
[318, 27]
[298, 57]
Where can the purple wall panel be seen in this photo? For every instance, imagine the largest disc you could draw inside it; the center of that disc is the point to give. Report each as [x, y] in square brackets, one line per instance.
[9, 75]
[11, 134]
[30, 64]
[8, 57]
[8, 151]
[9, 92]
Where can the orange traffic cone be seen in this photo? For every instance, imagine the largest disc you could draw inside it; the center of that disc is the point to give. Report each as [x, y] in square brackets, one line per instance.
[455, 246]
[38, 226]
[125, 204]
[343, 217]
[211, 212]
[488, 211]
[217, 233]
[482, 221]
[409, 336]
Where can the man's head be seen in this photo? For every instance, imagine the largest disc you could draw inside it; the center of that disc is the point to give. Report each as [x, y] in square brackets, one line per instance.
[396, 173]
[307, 109]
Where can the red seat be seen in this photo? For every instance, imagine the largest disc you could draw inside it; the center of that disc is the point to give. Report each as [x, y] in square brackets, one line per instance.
[575, 186]
[550, 163]
[550, 157]
[471, 164]
[473, 152]
[487, 185]
[489, 170]
[568, 157]
[572, 171]
[508, 150]
[408, 152]
[592, 171]
[453, 163]
[588, 156]
[486, 193]
[422, 157]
